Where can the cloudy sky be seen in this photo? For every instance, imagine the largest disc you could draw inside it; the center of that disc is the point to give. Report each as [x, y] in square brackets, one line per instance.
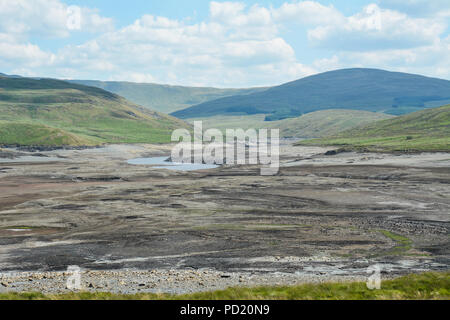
[223, 44]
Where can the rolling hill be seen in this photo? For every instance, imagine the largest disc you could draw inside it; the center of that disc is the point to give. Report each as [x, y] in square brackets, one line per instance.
[24, 134]
[426, 130]
[54, 112]
[326, 122]
[165, 98]
[357, 89]
[312, 125]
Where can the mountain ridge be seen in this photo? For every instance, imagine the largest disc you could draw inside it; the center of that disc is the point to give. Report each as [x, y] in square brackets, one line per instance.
[165, 98]
[356, 88]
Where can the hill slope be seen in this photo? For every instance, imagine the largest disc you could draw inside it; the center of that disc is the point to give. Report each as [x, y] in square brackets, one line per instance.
[312, 125]
[358, 89]
[427, 130]
[326, 122]
[165, 98]
[53, 112]
[16, 133]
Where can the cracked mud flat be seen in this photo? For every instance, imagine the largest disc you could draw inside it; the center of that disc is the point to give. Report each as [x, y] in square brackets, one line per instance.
[141, 229]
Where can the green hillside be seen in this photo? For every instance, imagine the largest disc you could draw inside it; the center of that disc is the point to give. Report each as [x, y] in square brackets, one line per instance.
[12, 133]
[324, 123]
[165, 98]
[427, 130]
[53, 112]
[357, 89]
[312, 125]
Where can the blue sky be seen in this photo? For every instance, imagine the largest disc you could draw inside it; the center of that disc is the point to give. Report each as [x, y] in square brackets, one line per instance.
[221, 43]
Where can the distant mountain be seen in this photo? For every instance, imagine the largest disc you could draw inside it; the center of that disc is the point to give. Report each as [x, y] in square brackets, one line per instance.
[54, 112]
[165, 98]
[426, 130]
[9, 76]
[359, 89]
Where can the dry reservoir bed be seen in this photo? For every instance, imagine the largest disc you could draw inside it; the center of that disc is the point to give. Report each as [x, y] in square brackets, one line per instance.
[136, 228]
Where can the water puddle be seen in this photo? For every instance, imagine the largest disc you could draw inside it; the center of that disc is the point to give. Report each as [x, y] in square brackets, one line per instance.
[160, 163]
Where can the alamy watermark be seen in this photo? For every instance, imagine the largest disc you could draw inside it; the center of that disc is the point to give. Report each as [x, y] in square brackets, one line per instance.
[74, 280]
[236, 146]
[74, 18]
[374, 280]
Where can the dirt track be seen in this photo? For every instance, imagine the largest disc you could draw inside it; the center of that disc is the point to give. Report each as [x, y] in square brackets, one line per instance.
[321, 217]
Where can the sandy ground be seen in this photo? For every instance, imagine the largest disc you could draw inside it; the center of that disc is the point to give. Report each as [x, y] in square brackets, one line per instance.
[140, 229]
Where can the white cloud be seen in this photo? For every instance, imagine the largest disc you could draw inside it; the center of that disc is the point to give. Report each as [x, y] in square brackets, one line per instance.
[377, 29]
[308, 12]
[327, 64]
[254, 23]
[224, 11]
[49, 18]
[28, 55]
[236, 46]
[25, 54]
[432, 60]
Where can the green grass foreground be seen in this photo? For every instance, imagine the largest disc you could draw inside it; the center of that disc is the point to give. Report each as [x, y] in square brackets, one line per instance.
[426, 286]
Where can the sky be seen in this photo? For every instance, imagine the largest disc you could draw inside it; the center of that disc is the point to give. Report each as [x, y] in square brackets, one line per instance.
[231, 44]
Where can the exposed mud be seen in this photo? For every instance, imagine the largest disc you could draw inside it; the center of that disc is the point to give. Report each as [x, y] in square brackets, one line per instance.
[321, 218]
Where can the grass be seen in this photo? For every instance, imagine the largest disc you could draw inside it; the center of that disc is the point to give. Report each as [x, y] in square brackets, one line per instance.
[427, 130]
[232, 122]
[36, 134]
[56, 113]
[426, 286]
[311, 125]
[404, 244]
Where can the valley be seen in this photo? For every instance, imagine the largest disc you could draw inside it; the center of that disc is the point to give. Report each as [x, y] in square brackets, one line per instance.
[224, 156]
[165, 98]
[136, 228]
[85, 182]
